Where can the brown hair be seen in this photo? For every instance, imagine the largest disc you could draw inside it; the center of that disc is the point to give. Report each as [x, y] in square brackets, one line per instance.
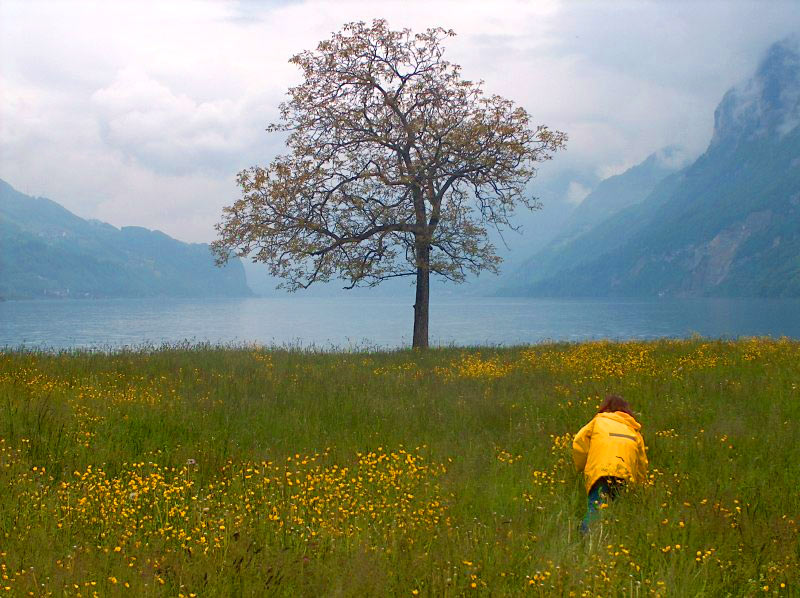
[615, 403]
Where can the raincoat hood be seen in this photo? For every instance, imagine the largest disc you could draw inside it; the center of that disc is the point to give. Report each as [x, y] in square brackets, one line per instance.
[622, 418]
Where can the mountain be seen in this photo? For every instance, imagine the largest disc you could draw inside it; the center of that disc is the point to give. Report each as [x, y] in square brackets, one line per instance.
[573, 244]
[536, 228]
[726, 225]
[47, 251]
[621, 191]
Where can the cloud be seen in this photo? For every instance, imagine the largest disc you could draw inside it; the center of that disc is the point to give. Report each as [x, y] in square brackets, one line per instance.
[172, 133]
[576, 193]
[673, 157]
[142, 113]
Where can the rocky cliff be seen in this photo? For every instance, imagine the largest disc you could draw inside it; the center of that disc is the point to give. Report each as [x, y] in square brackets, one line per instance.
[726, 225]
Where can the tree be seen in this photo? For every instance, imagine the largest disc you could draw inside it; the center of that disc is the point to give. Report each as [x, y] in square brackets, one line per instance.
[397, 166]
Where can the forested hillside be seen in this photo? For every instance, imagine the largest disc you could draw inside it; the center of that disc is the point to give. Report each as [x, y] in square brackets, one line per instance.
[46, 251]
[726, 225]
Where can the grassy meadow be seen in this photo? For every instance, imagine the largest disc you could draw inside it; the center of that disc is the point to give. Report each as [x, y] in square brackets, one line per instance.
[209, 471]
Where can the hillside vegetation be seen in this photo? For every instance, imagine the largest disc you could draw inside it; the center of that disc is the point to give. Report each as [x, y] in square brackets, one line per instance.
[207, 471]
[47, 251]
[727, 225]
[578, 241]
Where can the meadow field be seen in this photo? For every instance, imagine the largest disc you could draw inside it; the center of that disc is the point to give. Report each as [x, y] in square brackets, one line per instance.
[242, 471]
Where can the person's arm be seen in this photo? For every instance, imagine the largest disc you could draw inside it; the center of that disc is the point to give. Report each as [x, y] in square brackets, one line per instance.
[580, 445]
[641, 462]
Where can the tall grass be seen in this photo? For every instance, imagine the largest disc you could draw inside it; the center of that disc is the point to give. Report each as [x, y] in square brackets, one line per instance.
[215, 471]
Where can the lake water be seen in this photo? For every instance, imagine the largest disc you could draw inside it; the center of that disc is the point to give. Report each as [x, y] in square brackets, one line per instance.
[360, 322]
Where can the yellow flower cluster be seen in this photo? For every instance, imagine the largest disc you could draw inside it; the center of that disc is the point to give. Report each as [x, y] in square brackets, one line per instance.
[561, 443]
[595, 360]
[408, 368]
[505, 457]
[383, 495]
[609, 360]
[472, 365]
[385, 492]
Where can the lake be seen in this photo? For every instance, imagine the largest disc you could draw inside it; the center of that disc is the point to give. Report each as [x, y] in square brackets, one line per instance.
[383, 322]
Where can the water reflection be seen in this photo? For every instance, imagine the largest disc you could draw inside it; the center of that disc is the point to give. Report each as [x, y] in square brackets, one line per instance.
[383, 322]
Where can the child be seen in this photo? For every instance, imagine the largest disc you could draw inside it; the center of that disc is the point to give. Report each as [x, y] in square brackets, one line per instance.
[610, 452]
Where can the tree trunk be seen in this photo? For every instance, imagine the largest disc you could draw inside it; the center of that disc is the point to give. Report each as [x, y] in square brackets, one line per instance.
[423, 296]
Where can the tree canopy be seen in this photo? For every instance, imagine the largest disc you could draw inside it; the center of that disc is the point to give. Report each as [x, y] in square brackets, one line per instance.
[396, 167]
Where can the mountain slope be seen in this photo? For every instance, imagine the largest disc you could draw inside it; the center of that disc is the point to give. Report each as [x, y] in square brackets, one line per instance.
[582, 234]
[728, 225]
[46, 251]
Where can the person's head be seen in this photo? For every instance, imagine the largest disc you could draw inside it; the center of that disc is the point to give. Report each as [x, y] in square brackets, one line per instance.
[615, 403]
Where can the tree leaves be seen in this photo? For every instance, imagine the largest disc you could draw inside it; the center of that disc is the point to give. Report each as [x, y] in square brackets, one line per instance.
[389, 150]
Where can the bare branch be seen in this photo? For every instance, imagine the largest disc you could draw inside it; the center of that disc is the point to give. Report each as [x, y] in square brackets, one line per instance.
[395, 165]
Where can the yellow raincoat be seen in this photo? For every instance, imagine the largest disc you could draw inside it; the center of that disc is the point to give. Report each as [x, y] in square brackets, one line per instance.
[610, 445]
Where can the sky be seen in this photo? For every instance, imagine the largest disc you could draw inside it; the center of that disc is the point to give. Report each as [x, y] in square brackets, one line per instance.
[141, 113]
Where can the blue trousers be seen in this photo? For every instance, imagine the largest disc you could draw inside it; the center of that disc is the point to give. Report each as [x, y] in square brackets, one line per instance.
[604, 489]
